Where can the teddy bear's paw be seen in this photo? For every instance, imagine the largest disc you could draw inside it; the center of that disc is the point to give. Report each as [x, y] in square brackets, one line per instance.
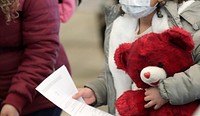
[131, 103]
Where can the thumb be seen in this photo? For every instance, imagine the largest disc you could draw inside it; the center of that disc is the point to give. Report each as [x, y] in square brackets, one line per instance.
[77, 95]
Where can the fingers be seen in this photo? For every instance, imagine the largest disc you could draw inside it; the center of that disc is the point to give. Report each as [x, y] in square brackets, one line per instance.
[160, 104]
[149, 104]
[156, 107]
[9, 110]
[147, 98]
[153, 98]
[76, 96]
[79, 94]
[87, 94]
[83, 92]
[146, 92]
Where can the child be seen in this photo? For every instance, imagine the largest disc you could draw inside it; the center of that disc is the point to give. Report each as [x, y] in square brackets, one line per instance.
[129, 20]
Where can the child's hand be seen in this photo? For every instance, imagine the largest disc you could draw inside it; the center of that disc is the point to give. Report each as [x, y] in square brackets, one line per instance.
[9, 110]
[153, 97]
[87, 94]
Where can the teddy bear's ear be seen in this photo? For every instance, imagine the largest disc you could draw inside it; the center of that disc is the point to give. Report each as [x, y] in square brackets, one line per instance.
[180, 38]
[121, 54]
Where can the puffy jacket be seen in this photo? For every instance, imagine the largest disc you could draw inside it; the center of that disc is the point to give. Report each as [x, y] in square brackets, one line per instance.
[180, 89]
[29, 52]
[183, 87]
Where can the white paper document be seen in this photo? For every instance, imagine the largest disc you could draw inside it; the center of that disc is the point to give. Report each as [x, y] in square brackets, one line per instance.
[59, 89]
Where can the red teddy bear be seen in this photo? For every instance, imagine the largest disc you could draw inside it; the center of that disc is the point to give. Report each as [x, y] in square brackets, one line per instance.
[165, 53]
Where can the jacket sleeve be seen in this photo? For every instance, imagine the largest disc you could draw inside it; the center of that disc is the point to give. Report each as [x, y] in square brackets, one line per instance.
[40, 28]
[100, 89]
[102, 86]
[184, 87]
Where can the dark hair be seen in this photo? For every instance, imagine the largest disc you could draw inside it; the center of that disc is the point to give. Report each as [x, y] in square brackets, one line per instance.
[178, 1]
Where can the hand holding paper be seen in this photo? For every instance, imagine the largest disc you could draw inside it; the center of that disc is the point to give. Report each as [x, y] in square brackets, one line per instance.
[59, 89]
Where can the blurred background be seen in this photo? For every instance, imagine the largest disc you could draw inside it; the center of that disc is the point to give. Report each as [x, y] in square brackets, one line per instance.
[82, 38]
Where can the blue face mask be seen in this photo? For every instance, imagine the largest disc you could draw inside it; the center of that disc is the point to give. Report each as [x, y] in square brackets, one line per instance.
[137, 8]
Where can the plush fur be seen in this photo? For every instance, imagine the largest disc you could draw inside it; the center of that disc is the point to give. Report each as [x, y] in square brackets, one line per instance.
[170, 50]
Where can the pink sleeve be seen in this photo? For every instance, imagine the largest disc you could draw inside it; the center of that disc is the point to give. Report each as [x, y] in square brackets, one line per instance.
[66, 10]
[21, 2]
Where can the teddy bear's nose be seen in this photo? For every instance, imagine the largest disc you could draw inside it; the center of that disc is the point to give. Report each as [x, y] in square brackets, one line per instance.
[147, 75]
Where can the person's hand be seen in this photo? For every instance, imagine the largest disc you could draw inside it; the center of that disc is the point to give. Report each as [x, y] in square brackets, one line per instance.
[87, 94]
[9, 110]
[153, 97]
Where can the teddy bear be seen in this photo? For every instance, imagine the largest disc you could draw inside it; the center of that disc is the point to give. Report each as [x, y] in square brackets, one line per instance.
[148, 60]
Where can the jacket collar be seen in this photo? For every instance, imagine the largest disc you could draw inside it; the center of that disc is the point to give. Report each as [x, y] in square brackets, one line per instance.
[191, 14]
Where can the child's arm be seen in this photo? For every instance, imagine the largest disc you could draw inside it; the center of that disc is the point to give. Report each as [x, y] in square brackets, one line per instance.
[183, 87]
[180, 89]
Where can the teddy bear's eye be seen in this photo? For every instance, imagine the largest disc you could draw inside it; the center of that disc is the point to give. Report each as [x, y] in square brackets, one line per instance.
[160, 64]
